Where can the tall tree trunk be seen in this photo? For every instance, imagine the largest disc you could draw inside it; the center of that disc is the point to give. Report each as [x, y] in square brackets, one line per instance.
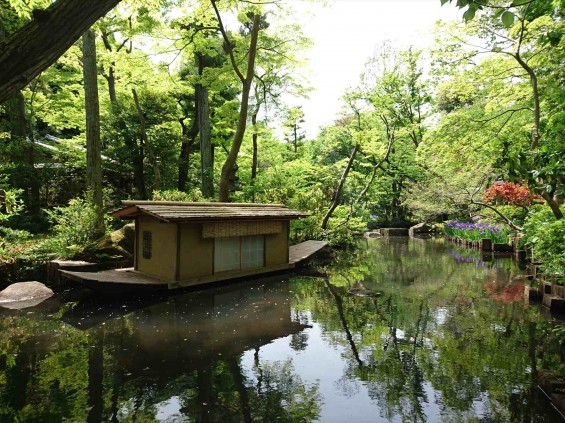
[137, 155]
[339, 191]
[139, 170]
[188, 139]
[20, 116]
[206, 148]
[111, 80]
[92, 108]
[34, 183]
[254, 137]
[145, 141]
[36, 46]
[229, 164]
[17, 111]
[553, 205]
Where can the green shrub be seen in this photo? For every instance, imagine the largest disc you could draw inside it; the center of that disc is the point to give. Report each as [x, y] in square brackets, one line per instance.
[13, 243]
[14, 235]
[174, 195]
[305, 229]
[545, 236]
[343, 229]
[74, 227]
[10, 204]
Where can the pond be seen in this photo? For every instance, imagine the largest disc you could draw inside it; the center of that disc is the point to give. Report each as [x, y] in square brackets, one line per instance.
[395, 330]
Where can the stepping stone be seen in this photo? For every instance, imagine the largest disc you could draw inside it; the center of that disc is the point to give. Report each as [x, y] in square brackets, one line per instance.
[24, 294]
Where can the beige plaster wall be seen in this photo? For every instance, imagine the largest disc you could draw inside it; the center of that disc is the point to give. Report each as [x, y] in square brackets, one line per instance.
[276, 247]
[196, 253]
[164, 249]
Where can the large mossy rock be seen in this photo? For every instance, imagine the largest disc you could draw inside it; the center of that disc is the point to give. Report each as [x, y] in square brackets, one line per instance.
[24, 294]
[125, 237]
[118, 243]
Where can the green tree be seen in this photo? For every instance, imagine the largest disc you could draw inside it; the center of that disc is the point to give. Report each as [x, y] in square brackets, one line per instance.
[92, 110]
[254, 21]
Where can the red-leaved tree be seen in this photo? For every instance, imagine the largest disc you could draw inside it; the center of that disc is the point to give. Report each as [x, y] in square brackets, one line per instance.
[511, 193]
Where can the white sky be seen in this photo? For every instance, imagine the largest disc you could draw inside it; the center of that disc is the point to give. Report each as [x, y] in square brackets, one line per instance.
[346, 33]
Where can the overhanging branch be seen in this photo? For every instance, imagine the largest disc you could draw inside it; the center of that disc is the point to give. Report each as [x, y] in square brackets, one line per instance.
[36, 46]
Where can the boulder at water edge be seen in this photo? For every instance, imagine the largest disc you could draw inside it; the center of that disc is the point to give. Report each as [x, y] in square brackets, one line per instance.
[24, 294]
[420, 229]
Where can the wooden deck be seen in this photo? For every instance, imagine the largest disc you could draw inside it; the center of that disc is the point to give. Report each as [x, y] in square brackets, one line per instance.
[116, 280]
[303, 251]
[128, 279]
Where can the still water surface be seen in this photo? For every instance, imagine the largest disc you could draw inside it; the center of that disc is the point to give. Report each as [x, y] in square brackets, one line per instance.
[398, 330]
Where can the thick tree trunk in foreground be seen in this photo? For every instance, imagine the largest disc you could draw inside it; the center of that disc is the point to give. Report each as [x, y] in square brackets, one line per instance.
[92, 108]
[35, 47]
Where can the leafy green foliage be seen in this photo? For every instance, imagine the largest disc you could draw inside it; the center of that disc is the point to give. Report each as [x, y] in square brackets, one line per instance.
[10, 203]
[73, 228]
[174, 195]
[449, 124]
[544, 235]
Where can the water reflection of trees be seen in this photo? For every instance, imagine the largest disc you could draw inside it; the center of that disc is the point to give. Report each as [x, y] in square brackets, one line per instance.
[436, 339]
[185, 352]
[429, 343]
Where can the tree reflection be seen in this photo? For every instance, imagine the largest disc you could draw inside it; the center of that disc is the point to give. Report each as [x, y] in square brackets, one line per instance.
[185, 351]
[437, 339]
[431, 346]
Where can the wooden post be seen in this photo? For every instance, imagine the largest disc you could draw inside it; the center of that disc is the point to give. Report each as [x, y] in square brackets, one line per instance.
[486, 245]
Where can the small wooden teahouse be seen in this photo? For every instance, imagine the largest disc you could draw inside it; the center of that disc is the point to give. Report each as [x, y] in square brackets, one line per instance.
[191, 243]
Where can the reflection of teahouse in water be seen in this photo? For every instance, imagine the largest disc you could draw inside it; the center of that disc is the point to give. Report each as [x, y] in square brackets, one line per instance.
[183, 244]
[192, 330]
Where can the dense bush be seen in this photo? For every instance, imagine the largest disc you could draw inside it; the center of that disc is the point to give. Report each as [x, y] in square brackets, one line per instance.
[545, 236]
[174, 195]
[10, 204]
[12, 243]
[74, 227]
